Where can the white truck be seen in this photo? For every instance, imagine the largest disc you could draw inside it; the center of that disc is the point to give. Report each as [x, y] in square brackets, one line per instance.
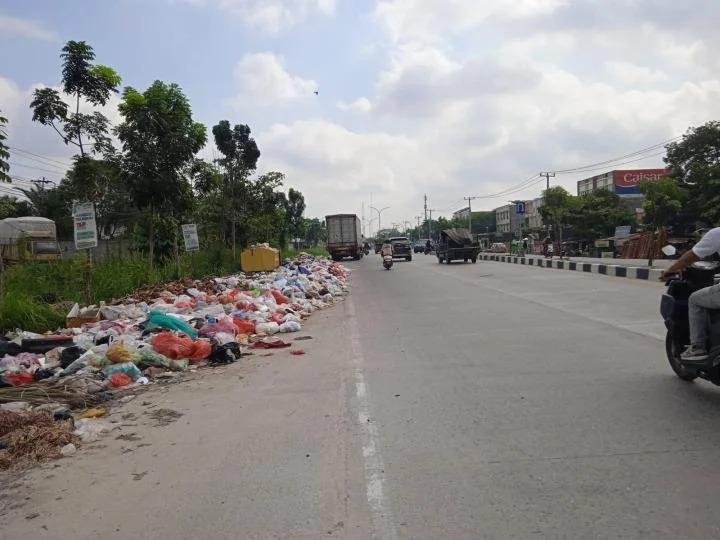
[28, 239]
[344, 236]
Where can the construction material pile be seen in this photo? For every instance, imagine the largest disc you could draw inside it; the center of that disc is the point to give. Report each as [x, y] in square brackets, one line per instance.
[161, 330]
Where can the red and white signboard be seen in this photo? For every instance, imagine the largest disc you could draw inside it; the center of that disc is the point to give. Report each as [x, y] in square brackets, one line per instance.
[626, 182]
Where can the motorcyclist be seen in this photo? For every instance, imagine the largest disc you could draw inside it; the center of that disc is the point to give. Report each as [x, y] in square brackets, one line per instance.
[546, 245]
[386, 250]
[428, 246]
[700, 301]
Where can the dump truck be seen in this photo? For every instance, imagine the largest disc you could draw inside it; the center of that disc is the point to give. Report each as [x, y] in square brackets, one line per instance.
[457, 244]
[344, 236]
[28, 239]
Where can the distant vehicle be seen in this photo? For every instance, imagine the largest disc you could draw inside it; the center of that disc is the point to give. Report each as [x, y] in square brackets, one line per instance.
[457, 244]
[419, 246]
[498, 247]
[344, 236]
[28, 239]
[401, 247]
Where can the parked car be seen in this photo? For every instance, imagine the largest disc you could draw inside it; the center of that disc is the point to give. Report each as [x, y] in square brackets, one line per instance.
[498, 247]
[401, 248]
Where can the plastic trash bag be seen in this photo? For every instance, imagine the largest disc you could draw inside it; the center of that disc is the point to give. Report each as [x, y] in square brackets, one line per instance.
[160, 320]
[118, 380]
[127, 368]
[269, 328]
[90, 429]
[118, 354]
[290, 326]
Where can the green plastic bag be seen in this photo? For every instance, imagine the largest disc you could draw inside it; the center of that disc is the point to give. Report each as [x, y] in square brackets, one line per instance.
[157, 319]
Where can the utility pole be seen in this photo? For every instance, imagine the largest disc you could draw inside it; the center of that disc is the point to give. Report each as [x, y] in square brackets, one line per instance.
[418, 226]
[468, 199]
[547, 176]
[41, 183]
[430, 224]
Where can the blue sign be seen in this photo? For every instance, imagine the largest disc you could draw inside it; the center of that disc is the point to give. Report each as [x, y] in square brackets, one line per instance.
[520, 207]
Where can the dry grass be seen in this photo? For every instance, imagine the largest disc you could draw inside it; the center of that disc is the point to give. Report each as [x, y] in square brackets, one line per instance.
[32, 437]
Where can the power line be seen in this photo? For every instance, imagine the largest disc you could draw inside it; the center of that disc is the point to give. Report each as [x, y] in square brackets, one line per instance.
[60, 169]
[33, 167]
[631, 154]
[39, 156]
[617, 164]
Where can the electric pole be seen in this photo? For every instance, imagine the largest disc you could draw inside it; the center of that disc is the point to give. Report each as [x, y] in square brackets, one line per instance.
[547, 176]
[41, 183]
[468, 199]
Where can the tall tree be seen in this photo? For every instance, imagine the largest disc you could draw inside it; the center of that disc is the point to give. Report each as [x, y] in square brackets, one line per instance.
[159, 141]
[694, 162]
[596, 215]
[81, 81]
[315, 231]
[663, 200]
[4, 152]
[240, 156]
[556, 210]
[294, 211]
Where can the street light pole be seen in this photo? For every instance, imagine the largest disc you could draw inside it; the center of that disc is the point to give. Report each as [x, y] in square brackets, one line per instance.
[379, 213]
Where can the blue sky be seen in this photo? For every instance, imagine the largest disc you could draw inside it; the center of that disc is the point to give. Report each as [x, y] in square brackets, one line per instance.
[450, 98]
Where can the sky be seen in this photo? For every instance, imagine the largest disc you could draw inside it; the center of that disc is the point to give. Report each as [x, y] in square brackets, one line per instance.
[448, 98]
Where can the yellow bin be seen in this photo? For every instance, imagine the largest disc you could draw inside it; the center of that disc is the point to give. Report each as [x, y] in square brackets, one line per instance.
[259, 259]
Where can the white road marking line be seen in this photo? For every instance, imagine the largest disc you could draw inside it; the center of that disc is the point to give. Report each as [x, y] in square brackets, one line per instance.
[380, 513]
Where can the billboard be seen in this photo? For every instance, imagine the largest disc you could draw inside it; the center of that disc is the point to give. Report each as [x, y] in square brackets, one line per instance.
[626, 182]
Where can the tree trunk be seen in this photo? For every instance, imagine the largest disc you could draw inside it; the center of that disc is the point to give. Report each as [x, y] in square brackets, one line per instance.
[151, 239]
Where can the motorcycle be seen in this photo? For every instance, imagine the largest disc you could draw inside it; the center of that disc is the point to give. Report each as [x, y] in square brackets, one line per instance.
[387, 262]
[674, 311]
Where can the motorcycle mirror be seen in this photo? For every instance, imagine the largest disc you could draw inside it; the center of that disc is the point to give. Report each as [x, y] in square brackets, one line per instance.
[669, 250]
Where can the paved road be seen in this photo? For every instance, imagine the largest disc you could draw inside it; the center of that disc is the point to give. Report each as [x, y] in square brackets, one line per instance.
[461, 401]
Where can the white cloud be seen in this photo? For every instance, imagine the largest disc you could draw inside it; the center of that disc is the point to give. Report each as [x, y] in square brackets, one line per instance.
[263, 80]
[15, 27]
[630, 74]
[361, 104]
[271, 16]
[431, 20]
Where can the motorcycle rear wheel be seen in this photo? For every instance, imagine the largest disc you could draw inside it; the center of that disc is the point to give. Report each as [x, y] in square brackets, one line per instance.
[673, 356]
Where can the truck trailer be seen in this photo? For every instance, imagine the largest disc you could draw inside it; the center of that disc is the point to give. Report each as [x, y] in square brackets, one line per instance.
[28, 239]
[344, 236]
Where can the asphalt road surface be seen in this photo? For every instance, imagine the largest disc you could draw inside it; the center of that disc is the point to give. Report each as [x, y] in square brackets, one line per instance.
[463, 401]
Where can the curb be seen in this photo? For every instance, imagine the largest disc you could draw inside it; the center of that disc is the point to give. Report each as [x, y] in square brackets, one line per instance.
[632, 272]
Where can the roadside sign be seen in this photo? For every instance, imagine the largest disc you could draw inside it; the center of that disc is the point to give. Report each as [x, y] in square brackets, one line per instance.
[520, 207]
[622, 231]
[190, 235]
[85, 226]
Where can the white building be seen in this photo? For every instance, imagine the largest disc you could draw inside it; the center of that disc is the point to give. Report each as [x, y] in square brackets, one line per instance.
[507, 220]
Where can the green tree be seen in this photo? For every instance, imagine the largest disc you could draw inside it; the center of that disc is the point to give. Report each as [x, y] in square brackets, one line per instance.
[81, 80]
[159, 141]
[294, 210]
[4, 152]
[556, 210]
[596, 215]
[10, 207]
[240, 155]
[694, 162]
[315, 231]
[663, 200]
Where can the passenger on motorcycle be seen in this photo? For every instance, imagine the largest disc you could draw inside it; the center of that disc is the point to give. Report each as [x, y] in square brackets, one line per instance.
[386, 250]
[700, 301]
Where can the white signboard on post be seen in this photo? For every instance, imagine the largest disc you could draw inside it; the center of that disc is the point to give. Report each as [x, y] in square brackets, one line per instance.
[85, 226]
[190, 235]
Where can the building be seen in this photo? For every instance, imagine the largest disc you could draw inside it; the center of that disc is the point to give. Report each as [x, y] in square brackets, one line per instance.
[462, 214]
[532, 214]
[507, 220]
[621, 182]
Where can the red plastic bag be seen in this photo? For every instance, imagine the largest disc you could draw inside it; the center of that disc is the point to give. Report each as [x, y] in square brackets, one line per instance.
[201, 350]
[244, 327]
[270, 344]
[19, 379]
[172, 346]
[118, 380]
[279, 297]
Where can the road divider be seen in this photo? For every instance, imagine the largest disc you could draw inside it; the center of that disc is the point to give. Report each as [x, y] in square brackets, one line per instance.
[632, 272]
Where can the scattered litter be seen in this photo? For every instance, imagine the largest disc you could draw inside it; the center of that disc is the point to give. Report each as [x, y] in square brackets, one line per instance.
[91, 429]
[68, 450]
[297, 352]
[270, 344]
[303, 338]
[94, 413]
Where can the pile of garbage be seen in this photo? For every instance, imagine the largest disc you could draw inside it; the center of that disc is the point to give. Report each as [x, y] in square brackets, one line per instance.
[161, 330]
